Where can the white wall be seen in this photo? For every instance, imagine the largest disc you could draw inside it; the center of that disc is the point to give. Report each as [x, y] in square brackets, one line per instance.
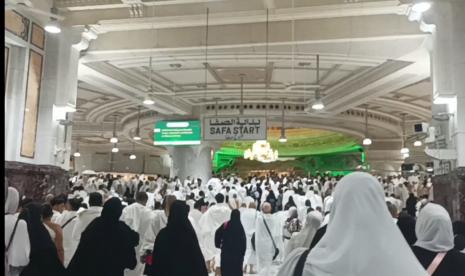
[91, 160]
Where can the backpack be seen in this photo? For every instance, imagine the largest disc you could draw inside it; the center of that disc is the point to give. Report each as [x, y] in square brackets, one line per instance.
[7, 266]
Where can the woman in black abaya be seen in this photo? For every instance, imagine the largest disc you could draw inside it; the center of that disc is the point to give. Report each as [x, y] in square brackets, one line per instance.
[44, 259]
[176, 251]
[107, 245]
[230, 237]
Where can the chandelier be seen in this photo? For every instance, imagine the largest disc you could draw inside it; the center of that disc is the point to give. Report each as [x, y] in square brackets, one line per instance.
[261, 151]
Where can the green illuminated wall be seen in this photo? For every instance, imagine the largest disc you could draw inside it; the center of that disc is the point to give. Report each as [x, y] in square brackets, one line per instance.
[312, 150]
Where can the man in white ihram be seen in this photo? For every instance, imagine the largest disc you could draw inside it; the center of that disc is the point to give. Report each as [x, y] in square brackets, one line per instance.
[265, 240]
[209, 223]
[137, 216]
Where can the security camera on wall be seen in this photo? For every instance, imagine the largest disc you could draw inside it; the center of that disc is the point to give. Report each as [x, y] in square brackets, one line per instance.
[421, 128]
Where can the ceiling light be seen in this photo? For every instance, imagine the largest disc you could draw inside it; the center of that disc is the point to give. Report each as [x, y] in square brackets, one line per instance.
[261, 151]
[77, 154]
[405, 155]
[148, 100]
[421, 6]
[132, 156]
[137, 136]
[283, 138]
[366, 142]
[114, 140]
[404, 150]
[429, 169]
[53, 27]
[417, 143]
[318, 105]
[114, 150]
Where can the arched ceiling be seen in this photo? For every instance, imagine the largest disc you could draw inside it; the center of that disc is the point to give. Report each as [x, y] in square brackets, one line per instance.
[370, 55]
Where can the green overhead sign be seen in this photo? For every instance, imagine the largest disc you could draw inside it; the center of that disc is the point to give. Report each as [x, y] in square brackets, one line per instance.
[172, 133]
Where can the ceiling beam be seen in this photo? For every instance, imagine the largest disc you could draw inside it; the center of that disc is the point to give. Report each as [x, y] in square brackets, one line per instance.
[93, 18]
[214, 74]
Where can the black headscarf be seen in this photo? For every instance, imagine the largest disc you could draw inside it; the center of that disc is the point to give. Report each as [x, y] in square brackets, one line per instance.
[176, 251]
[107, 245]
[411, 205]
[406, 224]
[44, 256]
[230, 237]
[290, 203]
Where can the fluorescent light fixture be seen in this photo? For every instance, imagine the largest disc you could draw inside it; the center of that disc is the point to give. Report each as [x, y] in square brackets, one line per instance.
[366, 142]
[114, 140]
[405, 155]
[114, 150]
[421, 6]
[137, 138]
[53, 27]
[417, 143]
[444, 99]
[77, 154]
[429, 169]
[148, 100]
[177, 124]
[132, 156]
[404, 150]
[318, 105]
[283, 139]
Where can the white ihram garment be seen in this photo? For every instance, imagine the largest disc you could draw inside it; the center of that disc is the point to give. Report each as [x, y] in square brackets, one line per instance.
[248, 220]
[69, 244]
[209, 223]
[263, 243]
[85, 217]
[305, 236]
[137, 217]
[361, 238]
[18, 253]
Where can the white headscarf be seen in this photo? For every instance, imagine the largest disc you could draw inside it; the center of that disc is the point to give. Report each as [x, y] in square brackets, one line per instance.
[434, 229]
[361, 238]
[12, 201]
[305, 236]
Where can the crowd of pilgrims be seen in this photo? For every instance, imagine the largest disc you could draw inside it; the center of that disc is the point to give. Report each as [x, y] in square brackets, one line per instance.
[320, 225]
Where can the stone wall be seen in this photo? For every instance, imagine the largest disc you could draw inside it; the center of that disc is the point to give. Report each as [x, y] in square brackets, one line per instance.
[36, 181]
[449, 191]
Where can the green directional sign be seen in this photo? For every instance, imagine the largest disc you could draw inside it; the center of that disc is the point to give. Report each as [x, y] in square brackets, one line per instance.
[173, 133]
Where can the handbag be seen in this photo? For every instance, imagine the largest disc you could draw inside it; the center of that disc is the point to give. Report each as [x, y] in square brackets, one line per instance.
[146, 258]
[276, 250]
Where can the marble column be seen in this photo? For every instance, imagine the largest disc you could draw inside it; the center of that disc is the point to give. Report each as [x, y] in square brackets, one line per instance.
[193, 161]
[446, 22]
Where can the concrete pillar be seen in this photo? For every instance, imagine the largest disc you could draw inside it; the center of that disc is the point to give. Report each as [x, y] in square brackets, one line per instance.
[448, 67]
[193, 161]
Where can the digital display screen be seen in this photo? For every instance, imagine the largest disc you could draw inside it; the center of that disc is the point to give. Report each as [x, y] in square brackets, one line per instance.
[172, 133]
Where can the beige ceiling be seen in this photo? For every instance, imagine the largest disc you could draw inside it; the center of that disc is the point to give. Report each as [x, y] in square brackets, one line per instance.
[370, 54]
